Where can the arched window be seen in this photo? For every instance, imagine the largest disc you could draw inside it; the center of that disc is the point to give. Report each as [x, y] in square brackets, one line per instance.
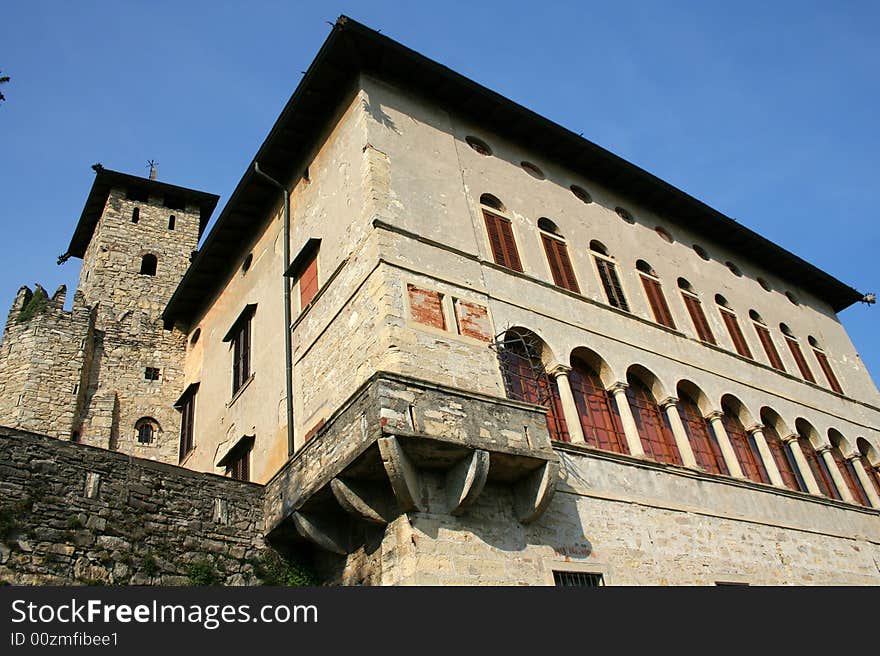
[654, 292]
[526, 379]
[846, 469]
[695, 310]
[732, 325]
[798, 355]
[598, 414]
[784, 459]
[766, 341]
[656, 435]
[865, 450]
[500, 231]
[817, 464]
[608, 276]
[557, 256]
[148, 264]
[822, 359]
[700, 435]
[744, 446]
[146, 429]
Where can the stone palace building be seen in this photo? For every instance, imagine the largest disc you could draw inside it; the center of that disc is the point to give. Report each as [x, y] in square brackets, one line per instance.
[452, 342]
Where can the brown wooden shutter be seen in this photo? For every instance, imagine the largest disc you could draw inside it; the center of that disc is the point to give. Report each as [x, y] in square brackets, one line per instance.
[829, 373]
[799, 359]
[657, 301]
[560, 264]
[308, 283]
[611, 284]
[695, 309]
[739, 340]
[850, 477]
[502, 242]
[769, 347]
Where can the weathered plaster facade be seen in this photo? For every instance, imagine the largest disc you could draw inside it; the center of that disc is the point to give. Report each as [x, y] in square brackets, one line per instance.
[413, 461]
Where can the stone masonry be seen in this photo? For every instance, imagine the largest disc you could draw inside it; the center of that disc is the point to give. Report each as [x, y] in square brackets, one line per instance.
[74, 514]
[96, 372]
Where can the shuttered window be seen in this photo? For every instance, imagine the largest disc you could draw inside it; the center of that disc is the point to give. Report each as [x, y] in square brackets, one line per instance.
[240, 336]
[501, 240]
[187, 406]
[239, 465]
[597, 412]
[769, 347]
[872, 472]
[656, 435]
[657, 301]
[799, 359]
[695, 309]
[850, 478]
[703, 443]
[820, 471]
[526, 380]
[784, 460]
[308, 282]
[826, 369]
[560, 264]
[739, 340]
[746, 450]
[611, 284]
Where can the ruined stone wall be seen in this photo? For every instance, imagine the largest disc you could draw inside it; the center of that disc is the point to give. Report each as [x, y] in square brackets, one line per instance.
[73, 514]
[42, 354]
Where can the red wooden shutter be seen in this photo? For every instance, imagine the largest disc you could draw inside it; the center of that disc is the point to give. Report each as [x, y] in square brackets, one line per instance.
[746, 450]
[596, 410]
[308, 283]
[739, 341]
[655, 433]
[826, 369]
[611, 284]
[560, 264]
[820, 471]
[502, 242]
[769, 347]
[799, 359]
[704, 445]
[695, 309]
[782, 457]
[873, 473]
[849, 477]
[657, 301]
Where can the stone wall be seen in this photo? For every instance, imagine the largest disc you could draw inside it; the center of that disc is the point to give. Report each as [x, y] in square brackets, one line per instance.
[42, 355]
[628, 523]
[74, 514]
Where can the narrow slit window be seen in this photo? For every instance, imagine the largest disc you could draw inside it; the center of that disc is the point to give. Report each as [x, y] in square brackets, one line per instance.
[172, 220]
[136, 215]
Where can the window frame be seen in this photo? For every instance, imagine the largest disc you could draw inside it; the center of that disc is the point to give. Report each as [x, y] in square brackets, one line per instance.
[615, 284]
[502, 240]
[240, 337]
[653, 288]
[186, 405]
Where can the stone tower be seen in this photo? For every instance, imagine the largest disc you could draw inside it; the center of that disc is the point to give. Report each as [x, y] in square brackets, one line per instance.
[107, 373]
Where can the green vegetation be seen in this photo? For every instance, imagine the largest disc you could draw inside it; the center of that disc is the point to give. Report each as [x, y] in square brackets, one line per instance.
[35, 304]
[202, 573]
[273, 569]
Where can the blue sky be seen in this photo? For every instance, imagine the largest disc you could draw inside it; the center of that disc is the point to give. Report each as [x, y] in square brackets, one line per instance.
[766, 111]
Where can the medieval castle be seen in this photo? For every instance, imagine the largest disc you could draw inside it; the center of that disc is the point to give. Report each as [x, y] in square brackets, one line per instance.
[435, 338]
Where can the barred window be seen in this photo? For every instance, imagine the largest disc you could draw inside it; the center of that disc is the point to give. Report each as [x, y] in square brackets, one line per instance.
[578, 579]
